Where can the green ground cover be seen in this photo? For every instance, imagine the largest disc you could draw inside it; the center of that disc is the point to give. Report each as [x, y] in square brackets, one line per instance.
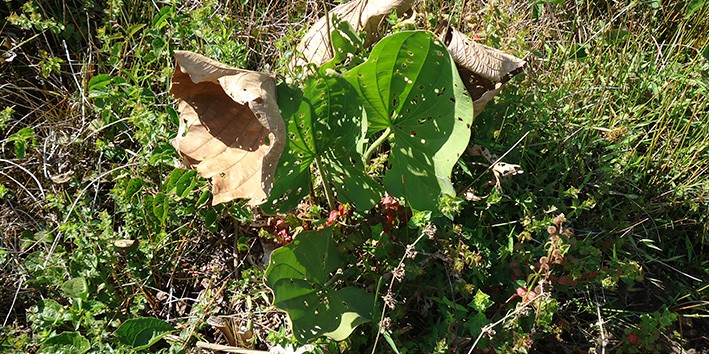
[599, 245]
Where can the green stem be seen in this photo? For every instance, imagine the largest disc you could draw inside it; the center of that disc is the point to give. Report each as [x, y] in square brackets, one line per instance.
[334, 278]
[375, 145]
[325, 184]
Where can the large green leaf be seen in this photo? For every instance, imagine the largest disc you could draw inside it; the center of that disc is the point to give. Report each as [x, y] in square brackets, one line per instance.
[65, 343]
[410, 85]
[141, 333]
[300, 276]
[325, 125]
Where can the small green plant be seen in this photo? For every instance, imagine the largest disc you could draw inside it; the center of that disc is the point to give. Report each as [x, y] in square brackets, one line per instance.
[425, 118]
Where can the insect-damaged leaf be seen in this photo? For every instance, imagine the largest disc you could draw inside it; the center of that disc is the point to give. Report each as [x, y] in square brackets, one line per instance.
[301, 277]
[362, 15]
[325, 126]
[411, 87]
[230, 128]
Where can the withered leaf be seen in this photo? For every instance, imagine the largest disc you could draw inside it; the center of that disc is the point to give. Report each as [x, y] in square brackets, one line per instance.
[230, 127]
[483, 69]
[362, 15]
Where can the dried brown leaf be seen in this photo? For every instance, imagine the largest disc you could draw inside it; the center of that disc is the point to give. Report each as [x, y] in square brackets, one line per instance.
[484, 69]
[362, 15]
[230, 127]
[490, 63]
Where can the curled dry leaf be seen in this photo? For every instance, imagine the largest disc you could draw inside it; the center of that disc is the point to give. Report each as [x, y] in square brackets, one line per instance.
[235, 330]
[230, 127]
[483, 69]
[362, 15]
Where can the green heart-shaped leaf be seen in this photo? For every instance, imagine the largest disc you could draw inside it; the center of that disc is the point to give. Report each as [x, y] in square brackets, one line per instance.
[300, 276]
[411, 88]
[325, 125]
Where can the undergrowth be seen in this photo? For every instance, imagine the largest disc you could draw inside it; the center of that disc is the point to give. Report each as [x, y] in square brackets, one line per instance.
[598, 245]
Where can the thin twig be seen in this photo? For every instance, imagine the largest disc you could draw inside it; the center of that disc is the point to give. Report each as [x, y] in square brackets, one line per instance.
[41, 190]
[330, 47]
[497, 160]
[76, 200]
[84, 101]
[487, 328]
[21, 185]
[509, 150]
[600, 326]
[14, 299]
[391, 284]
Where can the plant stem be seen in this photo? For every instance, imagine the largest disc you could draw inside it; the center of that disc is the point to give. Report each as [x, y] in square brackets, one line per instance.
[335, 277]
[326, 184]
[375, 145]
[329, 33]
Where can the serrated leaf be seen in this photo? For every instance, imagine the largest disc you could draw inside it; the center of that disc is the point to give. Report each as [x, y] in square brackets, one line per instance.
[299, 275]
[141, 333]
[65, 343]
[324, 124]
[411, 86]
[241, 213]
[20, 139]
[481, 301]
